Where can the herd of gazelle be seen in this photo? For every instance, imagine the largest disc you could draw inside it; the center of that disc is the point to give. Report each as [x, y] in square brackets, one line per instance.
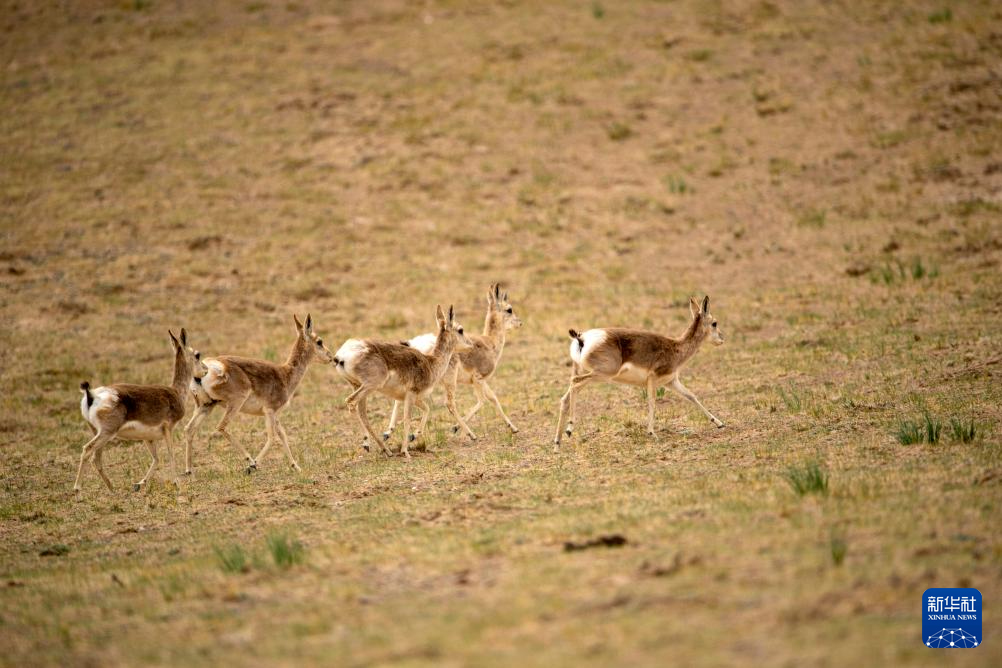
[405, 371]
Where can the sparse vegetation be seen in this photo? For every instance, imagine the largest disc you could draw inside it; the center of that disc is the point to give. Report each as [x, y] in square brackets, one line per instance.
[963, 431]
[221, 166]
[909, 432]
[285, 551]
[809, 477]
[232, 558]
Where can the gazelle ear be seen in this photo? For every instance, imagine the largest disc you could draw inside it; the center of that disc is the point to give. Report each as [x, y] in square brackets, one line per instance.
[451, 318]
[693, 307]
[497, 291]
[706, 304]
[184, 337]
[309, 324]
[439, 316]
[504, 297]
[491, 296]
[173, 340]
[299, 325]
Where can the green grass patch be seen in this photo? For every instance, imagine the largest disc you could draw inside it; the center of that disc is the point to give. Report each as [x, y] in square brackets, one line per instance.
[285, 551]
[232, 558]
[807, 478]
[963, 431]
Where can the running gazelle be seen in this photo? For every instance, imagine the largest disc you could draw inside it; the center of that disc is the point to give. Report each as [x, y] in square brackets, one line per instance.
[636, 357]
[401, 373]
[476, 366]
[255, 387]
[136, 413]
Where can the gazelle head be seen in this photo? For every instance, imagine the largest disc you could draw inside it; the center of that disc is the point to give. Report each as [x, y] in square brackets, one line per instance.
[314, 343]
[498, 301]
[708, 323]
[193, 358]
[448, 326]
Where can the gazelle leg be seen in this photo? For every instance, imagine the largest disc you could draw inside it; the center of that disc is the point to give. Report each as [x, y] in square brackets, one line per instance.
[99, 465]
[577, 382]
[280, 432]
[408, 400]
[393, 421]
[486, 389]
[684, 391]
[650, 405]
[89, 448]
[476, 407]
[189, 432]
[450, 403]
[152, 447]
[569, 429]
[169, 440]
[231, 410]
[351, 401]
[360, 410]
[425, 413]
[269, 427]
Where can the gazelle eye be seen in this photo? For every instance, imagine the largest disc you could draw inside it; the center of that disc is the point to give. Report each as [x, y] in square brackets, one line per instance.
[320, 342]
[198, 355]
[460, 330]
[509, 310]
[713, 325]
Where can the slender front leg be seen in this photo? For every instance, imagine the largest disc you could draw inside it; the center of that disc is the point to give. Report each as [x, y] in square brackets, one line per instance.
[684, 391]
[169, 439]
[425, 409]
[393, 421]
[152, 447]
[408, 400]
[189, 432]
[89, 448]
[280, 430]
[575, 371]
[650, 405]
[486, 389]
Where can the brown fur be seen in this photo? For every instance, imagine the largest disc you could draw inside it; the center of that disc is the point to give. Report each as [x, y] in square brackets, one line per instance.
[255, 387]
[159, 407]
[400, 372]
[637, 357]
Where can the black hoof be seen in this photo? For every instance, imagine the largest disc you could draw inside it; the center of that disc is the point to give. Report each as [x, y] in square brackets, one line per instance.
[251, 469]
[455, 429]
[386, 435]
[412, 438]
[136, 487]
[187, 473]
[365, 446]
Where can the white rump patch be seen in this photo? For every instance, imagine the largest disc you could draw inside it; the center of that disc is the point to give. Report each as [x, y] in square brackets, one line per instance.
[592, 339]
[215, 374]
[104, 397]
[424, 343]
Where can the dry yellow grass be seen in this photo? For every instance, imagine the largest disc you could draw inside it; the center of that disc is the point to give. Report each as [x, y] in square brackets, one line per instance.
[828, 172]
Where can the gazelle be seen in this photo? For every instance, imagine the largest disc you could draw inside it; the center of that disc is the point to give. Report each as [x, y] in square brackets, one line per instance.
[255, 387]
[636, 357]
[136, 413]
[475, 366]
[401, 373]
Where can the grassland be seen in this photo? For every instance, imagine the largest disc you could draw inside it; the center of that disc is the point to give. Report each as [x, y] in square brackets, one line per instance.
[829, 172]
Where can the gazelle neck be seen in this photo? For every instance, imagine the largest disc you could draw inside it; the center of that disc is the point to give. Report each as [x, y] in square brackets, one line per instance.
[441, 355]
[299, 359]
[692, 338]
[494, 328]
[182, 372]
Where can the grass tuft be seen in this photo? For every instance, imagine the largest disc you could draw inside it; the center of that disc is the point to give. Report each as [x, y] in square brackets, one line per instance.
[932, 429]
[909, 432]
[807, 478]
[232, 558]
[285, 552]
[794, 403]
[838, 546]
[961, 431]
